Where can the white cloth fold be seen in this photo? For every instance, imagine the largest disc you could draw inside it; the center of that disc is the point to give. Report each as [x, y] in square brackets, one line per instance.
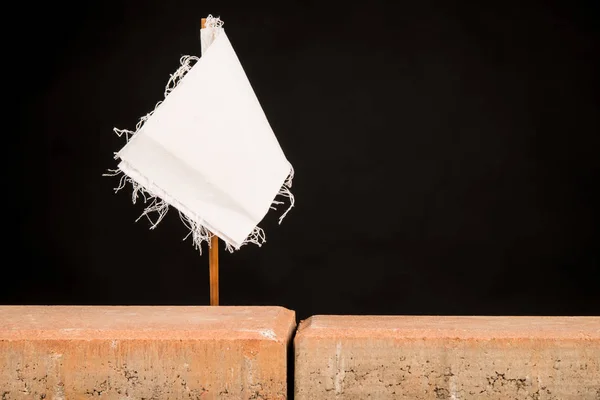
[208, 148]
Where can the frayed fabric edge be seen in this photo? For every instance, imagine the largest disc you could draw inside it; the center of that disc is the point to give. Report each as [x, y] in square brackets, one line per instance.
[153, 195]
[286, 192]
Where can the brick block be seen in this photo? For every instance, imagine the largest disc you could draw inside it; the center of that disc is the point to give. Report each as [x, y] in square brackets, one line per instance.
[421, 357]
[131, 352]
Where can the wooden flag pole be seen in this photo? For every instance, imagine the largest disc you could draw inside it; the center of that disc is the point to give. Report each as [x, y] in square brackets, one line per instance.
[213, 254]
[213, 262]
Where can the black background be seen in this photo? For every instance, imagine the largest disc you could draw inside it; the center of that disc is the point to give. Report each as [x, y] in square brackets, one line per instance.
[446, 156]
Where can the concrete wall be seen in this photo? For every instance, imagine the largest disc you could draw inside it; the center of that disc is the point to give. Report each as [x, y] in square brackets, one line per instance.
[202, 353]
[64, 353]
[350, 357]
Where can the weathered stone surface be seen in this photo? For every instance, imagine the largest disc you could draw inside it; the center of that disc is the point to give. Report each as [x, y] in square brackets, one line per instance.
[414, 357]
[132, 352]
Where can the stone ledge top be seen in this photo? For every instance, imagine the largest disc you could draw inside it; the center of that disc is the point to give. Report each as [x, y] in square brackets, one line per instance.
[146, 323]
[450, 327]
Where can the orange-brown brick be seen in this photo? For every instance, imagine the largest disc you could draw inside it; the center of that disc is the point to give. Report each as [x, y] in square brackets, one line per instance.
[132, 352]
[417, 357]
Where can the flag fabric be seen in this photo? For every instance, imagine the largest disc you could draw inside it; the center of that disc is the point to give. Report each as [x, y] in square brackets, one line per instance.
[208, 150]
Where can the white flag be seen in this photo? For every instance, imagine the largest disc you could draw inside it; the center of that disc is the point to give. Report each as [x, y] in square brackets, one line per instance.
[208, 149]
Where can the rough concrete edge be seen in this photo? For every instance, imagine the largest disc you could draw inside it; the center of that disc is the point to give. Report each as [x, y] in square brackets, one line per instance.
[280, 334]
[303, 326]
[289, 317]
[310, 328]
[299, 338]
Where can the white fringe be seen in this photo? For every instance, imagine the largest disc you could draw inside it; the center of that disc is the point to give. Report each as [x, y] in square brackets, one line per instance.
[285, 191]
[213, 22]
[158, 207]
